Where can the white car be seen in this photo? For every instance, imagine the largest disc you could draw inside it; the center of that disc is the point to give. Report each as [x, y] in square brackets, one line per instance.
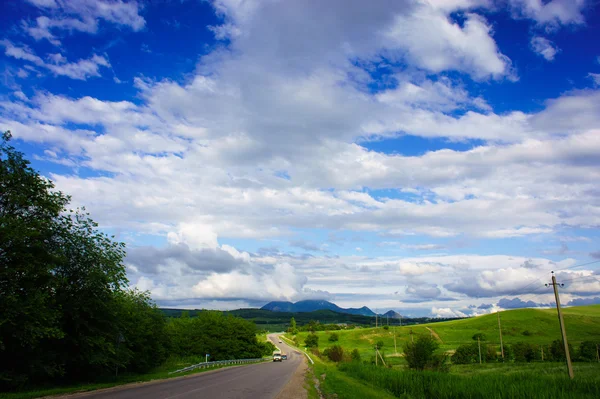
[277, 357]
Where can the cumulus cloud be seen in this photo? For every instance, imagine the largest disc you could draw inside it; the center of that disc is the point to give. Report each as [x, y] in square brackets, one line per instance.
[544, 47]
[270, 134]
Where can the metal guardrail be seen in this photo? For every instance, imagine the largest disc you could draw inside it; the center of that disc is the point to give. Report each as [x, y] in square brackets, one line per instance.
[217, 363]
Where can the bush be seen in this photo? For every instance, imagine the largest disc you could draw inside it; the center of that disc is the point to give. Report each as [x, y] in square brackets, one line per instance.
[379, 344]
[465, 354]
[419, 354]
[355, 355]
[334, 337]
[588, 351]
[557, 350]
[523, 352]
[490, 354]
[334, 353]
[312, 341]
[527, 333]
[386, 327]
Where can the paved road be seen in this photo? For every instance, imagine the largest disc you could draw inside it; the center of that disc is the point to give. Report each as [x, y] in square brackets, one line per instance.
[263, 380]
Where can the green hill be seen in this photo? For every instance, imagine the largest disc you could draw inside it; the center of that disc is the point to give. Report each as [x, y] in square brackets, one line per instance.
[537, 326]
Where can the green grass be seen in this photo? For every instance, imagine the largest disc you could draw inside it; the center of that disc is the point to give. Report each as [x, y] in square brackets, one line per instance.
[508, 381]
[582, 323]
[159, 373]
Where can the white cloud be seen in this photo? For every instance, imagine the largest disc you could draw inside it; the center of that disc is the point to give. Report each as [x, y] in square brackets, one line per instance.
[544, 47]
[435, 43]
[58, 65]
[552, 12]
[595, 77]
[82, 16]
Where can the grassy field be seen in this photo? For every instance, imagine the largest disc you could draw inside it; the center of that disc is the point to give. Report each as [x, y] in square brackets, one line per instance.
[537, 326]
[159, 373]
[492, 380]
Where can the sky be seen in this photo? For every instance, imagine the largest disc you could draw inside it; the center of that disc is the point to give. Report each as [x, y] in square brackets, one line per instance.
[435, 157]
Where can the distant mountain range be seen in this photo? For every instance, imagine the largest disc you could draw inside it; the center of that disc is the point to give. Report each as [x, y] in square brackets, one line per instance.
[312, 305]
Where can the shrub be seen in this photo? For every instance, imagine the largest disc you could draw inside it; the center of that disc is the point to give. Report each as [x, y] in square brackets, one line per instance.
[527, 333]
[386, 327]
[334, 337]
[588, 351]
[312, 341]
[465, 354]
[557, 350]
[523, 352]
[379, 344]
[355, 355]
[490, 354]
[419, 355]
[334, 353]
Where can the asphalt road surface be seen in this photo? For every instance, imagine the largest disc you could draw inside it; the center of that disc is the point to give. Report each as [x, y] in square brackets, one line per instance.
[263, 380]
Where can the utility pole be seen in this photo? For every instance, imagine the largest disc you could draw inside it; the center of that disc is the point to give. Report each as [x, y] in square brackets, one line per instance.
[387, 319]
[396, 350]
[376, 360]
[375, 320]
[479, 345]
[562, 326]
[500, 330]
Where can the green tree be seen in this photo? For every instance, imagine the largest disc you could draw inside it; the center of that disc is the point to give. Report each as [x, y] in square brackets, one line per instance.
[29, 211]
[312, 340]
[293, 329]
[480, 336]
[420, 354]
[59, 279]
[333, 337]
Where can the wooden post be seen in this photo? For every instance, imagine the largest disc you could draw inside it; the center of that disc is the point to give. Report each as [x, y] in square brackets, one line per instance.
[500, 331]
[562, 327]
[479, 344]
[542, 349]
[395, 349]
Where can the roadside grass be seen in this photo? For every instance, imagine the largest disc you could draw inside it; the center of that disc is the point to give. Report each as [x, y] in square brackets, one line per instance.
[536, 326]
[509, 381]
[160, 373]
[333, 383]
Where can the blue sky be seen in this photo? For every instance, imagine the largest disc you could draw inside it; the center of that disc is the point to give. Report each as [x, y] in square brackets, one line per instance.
[426, 156]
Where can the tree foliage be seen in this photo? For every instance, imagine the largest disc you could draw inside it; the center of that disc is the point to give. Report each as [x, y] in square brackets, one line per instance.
[222, 336]
[420, 354]
[63, 295]
[312, 341]
[334, 337]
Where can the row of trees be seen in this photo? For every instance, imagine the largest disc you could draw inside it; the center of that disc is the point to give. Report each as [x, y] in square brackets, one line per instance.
[66, 311]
